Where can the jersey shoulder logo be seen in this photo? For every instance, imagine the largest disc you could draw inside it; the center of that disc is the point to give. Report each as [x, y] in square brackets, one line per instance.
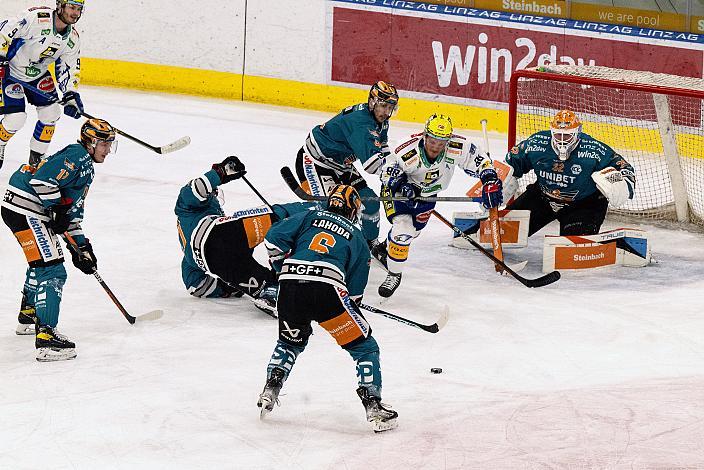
[455, 145]
[406, 144]
[408, 155]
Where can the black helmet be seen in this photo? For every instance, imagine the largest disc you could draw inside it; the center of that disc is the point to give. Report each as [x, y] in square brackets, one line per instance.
[344, 200]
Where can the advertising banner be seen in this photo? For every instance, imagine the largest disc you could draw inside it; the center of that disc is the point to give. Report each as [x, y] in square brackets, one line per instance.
[467, 55]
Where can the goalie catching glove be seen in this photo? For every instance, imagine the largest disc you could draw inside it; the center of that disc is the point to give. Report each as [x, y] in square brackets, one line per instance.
[617, 185]
[83, 257]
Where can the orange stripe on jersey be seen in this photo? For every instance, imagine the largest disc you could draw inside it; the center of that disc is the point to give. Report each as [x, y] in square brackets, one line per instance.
[256, 228]
[29, 245]
[343, 328]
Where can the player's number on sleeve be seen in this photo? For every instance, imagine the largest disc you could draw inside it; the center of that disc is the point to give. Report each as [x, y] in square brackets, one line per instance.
[322, 242]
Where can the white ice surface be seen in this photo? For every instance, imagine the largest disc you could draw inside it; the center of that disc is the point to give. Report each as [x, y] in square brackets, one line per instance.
[601, 370]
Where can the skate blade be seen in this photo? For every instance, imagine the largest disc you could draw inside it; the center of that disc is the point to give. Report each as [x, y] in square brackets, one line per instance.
[266, 408]
[266, 308]
[381, 426]
[52, 355]
[23, 329]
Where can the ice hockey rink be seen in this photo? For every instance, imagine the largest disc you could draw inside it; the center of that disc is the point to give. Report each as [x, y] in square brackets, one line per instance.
[603, 369]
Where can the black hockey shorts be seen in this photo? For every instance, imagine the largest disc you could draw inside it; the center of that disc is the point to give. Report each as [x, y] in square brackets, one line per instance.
[40, 245]
[583, 217]
[301, 302]
[317, 178]
[229, 257]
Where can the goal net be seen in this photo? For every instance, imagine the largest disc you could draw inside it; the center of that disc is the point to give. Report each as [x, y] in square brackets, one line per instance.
[654, 120]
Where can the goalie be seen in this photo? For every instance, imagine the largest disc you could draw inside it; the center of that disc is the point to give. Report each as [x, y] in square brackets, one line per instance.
[577, 177]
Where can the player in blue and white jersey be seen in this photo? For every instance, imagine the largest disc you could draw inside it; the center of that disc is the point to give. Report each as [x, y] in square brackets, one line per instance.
[29, 43]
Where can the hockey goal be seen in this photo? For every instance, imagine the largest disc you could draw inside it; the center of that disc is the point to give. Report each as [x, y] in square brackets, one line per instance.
[654, 120]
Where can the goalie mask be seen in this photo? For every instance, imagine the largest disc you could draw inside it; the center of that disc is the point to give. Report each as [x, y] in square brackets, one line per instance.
[565, 129]
[344, 200]
[383, 100]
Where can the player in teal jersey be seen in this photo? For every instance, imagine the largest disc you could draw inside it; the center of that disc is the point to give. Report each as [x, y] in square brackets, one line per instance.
[359, 132]
[41, 203]
[323, 264]
[217, 249]
[577, 177]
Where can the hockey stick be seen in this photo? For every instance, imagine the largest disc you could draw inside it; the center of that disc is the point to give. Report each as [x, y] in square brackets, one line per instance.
[153, 315]
[295, 186]
[258, 194]
[541, 281]
[168, 148]
[494, 224]
[434, 328]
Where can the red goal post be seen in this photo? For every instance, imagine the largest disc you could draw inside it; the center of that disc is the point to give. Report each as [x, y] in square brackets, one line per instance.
[655, 120]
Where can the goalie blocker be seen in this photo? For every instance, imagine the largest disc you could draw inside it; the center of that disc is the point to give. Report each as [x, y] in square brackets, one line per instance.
[623, 246]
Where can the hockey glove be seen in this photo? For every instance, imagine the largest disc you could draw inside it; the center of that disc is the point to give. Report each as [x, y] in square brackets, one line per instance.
[4, 68]
[73, 106]
[59, 218]
[229, 169]
[492, 195]
[83, 257]
[396, 181]
[407, 190]
[228, 291]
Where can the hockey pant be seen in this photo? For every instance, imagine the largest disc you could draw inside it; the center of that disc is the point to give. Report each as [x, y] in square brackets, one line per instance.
[318, 178]
[226, 253]
[301, 302]
[12, 109]
[46, 274]
[583, 217]
[406, 224]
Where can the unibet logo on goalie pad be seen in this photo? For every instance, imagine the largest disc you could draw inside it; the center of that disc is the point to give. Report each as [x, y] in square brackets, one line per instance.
[514, 228]
[623, 246]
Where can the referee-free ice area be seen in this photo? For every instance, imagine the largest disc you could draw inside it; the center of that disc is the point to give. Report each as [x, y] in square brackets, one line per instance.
[603, 369]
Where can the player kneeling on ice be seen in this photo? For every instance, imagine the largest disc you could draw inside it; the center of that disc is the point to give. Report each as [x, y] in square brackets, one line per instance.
[41, 203]
[358, 132]
[217, 249]
[323, 264]
[423, 166]
[577, 177]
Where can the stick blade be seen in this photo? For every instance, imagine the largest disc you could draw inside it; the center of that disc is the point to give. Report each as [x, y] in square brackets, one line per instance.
[175, 145]
[517, 268]
[549, 278]
[150, 316]
[444, 316]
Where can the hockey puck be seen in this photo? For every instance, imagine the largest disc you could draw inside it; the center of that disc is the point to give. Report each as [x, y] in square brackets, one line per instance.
[436, 370]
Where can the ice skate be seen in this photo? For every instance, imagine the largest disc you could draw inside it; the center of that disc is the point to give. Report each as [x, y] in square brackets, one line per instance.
[389, 286]
[265, 299]
[270, 395]
[380, 416]
[26, 318]
[52, 346]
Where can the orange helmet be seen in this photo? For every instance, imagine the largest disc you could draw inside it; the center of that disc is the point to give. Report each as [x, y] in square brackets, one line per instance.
[344, 200]
[565, 129]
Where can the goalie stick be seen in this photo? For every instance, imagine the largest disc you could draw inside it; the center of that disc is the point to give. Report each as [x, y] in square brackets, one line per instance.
[295, 186]
[434, 328]
[168, 148]
[149, 316]
[541, 281]
[494, 224]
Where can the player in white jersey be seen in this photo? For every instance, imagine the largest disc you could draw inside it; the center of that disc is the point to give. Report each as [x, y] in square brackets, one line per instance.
[423, 166]
[29, 43]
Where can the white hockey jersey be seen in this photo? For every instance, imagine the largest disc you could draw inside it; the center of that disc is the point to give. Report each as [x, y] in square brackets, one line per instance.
[31, 44]
[431, 178]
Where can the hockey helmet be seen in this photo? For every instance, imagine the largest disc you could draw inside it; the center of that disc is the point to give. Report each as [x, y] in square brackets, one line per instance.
[439, 126]
[344, 200]
[565, 129]
[61, 3]
[94, 130]
[383, 93]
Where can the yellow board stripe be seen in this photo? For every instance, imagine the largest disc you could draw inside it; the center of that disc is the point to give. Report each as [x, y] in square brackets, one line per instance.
[332, 98]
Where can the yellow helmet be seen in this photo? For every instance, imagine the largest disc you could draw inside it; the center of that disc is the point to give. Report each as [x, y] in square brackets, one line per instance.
[439, 126]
